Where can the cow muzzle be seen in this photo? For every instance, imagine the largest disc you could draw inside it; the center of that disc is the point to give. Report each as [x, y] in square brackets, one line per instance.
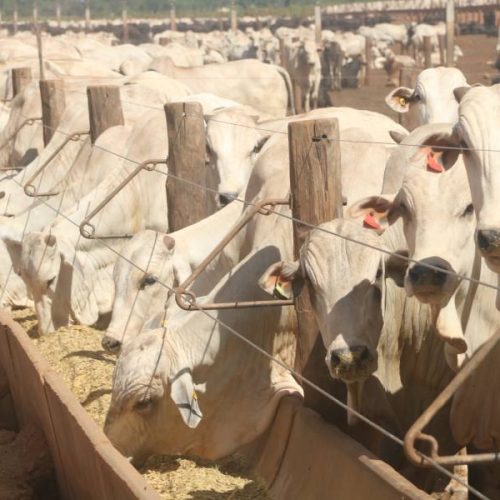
[488, 242]
[350, 364]
[110, 344]
[429, 279]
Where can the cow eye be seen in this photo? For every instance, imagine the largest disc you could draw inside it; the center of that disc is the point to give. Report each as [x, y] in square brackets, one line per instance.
[416, 98]
[144, 404]
[51, 282]
[148, 280]
[469, 210]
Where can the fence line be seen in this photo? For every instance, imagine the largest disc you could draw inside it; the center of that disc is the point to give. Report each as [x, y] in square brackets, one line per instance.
[303, 379]
[307, 224]
[340, 141]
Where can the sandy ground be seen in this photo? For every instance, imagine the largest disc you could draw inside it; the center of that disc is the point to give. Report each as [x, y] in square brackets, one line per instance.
[76, 353]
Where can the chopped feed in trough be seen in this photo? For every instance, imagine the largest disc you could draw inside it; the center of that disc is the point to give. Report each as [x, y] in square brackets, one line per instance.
[76, 354]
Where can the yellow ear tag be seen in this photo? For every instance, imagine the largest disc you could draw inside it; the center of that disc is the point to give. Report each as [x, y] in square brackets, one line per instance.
[279, 292]
[195, 396]
[164, 323]
[402, 101]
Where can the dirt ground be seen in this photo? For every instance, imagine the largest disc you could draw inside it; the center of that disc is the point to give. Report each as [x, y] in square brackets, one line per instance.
[76, 354]
[478, 51]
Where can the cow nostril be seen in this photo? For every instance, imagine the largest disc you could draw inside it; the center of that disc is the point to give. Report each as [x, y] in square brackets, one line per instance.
[482, 240]
[414, 274]
[364, 354]
[111, 345]
[335, 359]
[226, 198]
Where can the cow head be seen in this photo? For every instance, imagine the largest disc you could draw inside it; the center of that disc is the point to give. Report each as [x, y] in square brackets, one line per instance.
[432, 99]
[438, 220]
[139, 293]
[233, 144]
[60, 282]
[347, 284]
[150, 386]
[478, 136]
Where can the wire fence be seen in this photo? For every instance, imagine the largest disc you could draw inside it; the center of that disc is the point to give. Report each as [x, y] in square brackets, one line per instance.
[229, 328]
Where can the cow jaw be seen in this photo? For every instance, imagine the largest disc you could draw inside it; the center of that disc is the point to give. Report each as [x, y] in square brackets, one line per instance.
[449, 327]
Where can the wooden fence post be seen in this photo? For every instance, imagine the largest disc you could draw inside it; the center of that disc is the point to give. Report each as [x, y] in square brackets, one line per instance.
[173, 18]
[427, 52]
[442, 49]
[450, 32]
[15, 17]
[187, 203]
[53, 104]
[234, 17]
[368, 57]
[87, 16]
[105, 109]
[315, 182]
[407, 79]
[21, 77]
[58, 14]
[317, 24]
[125, 22]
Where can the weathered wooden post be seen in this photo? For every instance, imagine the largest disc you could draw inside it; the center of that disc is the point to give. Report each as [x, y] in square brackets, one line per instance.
[87, 16]
[58, 14]
[427, 52]
[442, 49]
[38, 34]
[53, 104]
[105, 109]
[407, 79]
[187, 203]
[368, 58]
[173, 18]
[450, 32]
[317, 24]
[35, 12]
[15, 17]
[125, 22]
[234, 17]
[316, 197]
[21, 77]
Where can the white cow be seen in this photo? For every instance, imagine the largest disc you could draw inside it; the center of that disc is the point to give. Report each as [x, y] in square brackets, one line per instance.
[69, 277]
[167, 261]
[477, 129]
[265, 87]
[438, 217]
[301, 60]
[432, 99]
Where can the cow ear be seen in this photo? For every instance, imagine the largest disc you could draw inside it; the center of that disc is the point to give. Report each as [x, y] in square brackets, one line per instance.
[183, 394]
[397, 137]
[282, 280]
[441, 152]
[399, 99]
[396, 265]
[375, 212]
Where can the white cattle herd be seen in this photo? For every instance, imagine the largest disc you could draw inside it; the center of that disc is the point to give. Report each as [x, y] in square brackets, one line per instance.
[390, 282]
